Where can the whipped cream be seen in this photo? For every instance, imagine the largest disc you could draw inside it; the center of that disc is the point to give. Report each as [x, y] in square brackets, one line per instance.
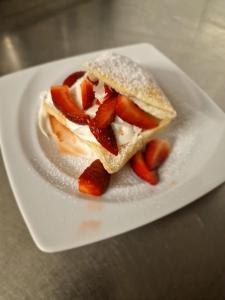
[99, 91]
[125, 133]
[75, 90]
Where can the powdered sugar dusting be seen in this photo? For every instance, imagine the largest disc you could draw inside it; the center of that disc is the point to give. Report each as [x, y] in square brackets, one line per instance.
[123, 68]
[63, 171]
[125, 186]
[127, 77]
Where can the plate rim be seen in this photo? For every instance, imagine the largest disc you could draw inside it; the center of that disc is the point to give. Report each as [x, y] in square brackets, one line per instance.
[39, 242]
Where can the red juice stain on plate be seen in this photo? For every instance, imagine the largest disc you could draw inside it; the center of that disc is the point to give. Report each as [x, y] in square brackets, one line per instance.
[90, 225]
[95, 206]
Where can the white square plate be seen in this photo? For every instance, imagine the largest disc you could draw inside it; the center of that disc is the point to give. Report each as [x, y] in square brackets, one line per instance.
[44, 184]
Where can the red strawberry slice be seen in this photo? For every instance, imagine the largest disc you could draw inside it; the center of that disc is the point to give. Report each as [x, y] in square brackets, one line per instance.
[64, 101]
[105, 113]
[72, 78]
[156, 153]
[87, 93]
[97, 102]
[110, 92]
[128, 111]
[94, 180]
[104, 136]
[139, 166]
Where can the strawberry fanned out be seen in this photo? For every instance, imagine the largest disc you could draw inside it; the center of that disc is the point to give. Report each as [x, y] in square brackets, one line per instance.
[94, 180]
[104, 136]
[87, 93]
[156, 153]
[106, 113]
[64, 101]
[72, 78]
[139, 166]
[128, 111]
[146, 165]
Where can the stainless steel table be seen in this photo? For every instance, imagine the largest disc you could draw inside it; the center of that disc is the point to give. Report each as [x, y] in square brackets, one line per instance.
[179, 257]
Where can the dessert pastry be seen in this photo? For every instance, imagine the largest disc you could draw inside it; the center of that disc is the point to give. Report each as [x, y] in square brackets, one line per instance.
[108, 112]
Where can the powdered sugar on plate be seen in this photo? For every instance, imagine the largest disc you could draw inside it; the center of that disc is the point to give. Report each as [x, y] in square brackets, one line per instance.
[63, 171]
[44, 183]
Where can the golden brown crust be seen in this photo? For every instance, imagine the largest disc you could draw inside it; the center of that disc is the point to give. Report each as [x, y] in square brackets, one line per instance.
[114, 163]
[128, 78]
[51, 110]
[66, 140]
[111, 162]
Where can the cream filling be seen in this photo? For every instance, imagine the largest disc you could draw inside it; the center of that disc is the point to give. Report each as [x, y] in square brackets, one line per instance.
[43, 120]
[125, 133]
[99, 91]
[75, 90]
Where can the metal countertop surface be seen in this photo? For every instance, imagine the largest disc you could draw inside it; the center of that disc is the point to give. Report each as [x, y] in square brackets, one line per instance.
[181, 256]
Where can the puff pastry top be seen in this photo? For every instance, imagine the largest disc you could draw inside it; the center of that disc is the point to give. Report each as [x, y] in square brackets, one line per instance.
[128, 78]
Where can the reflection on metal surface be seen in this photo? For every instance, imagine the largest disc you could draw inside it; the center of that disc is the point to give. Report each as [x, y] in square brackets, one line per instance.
[178, 257]
[11, 52]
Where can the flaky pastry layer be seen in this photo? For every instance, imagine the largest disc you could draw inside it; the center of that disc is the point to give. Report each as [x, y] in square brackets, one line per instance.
[129, 79]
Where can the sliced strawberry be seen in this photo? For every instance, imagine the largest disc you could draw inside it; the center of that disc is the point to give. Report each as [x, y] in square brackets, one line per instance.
[97, 102]
[110, 92]
[72, 78]
[105, 113]
[156, 153]
[94, 180]
[131, 113]
[87, 93]
[107, 89]
[64, 101]
[105, 137]
[139, 166]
